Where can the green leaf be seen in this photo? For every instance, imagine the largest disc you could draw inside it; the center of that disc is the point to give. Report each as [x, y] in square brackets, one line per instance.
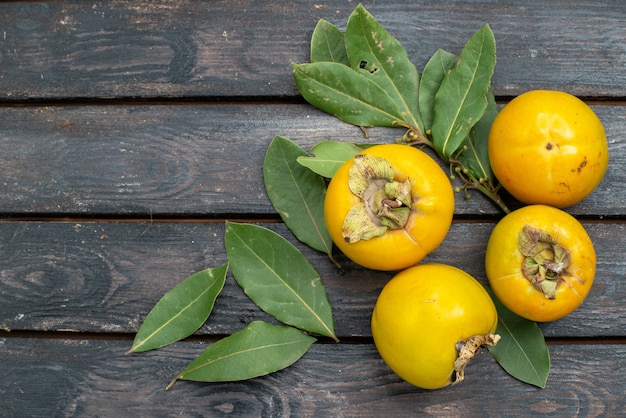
[329, 156]
[476, 157]
[435, 70]
[296, 193]
[522, 351]
[278, 278]
[461, 99]
[347, 94]
[181, 311]
[375, 53]
[257, 350]
[328, 44]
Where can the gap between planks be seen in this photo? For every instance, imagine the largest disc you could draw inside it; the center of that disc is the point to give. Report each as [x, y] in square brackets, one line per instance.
[77, 335]
[226, 100]
[212, 219]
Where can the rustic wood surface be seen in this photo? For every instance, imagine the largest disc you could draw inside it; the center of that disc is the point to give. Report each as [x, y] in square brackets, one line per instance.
[104, 277]
[130, 130]
[242, 49]
[90, 377]
[136, 160]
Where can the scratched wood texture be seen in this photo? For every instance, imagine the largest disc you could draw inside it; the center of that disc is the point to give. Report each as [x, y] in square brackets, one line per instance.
[88, 377]
[195, 160]
[104, 277]
[130, 130]
[243, 49]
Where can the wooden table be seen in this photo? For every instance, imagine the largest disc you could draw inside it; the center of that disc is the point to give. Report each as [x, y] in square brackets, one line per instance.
[130, 130]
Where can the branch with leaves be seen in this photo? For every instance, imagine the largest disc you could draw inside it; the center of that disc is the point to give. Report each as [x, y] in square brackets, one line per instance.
[365, 78]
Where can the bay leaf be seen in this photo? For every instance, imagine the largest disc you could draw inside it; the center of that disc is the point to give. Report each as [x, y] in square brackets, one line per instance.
[434, 71]
[522, 351]
[328, 44]
[181, 311]
[347, 94]
[461, 99]
[257, 350]
[278, 278]
[476, 157]
[296, 193]
[374, 52]
[329, 156]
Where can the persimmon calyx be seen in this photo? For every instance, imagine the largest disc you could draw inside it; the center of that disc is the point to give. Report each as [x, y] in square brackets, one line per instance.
[545, 261]
[467, 349]
[384, 203]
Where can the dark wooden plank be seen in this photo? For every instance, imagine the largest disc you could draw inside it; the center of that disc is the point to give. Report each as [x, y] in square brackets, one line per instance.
[59, 377]
[104, 277]
[202, 161]
[168, 48]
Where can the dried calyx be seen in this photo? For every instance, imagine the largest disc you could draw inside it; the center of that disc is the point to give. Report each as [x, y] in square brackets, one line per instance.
[545, 262]
[467, 349]
[384, 203]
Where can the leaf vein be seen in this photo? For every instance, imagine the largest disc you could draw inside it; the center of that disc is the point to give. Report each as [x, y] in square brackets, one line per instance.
[174, 317]
[318, 231]
[528, 360]
[236, 353]
[287, 286]
[464, 99]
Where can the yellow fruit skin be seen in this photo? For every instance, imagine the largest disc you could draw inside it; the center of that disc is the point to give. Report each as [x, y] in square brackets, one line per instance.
[420, 316]
[548, 147]
[503, 263]
[428, 224]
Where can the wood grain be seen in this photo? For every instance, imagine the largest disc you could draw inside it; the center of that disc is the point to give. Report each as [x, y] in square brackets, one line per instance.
[130, 130]
[241, 49]
[93, 377]
[195, 161]
[104, 277]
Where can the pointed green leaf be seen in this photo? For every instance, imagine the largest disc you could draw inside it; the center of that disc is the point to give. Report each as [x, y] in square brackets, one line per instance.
[257, 350]
[476, 157]
[296, 193]
[328, 44]
[522, 351]
[436, 68]
[347, 94]
[181, 311]
[461, 99]
[329, 156]
[278, 278]
[375, 53]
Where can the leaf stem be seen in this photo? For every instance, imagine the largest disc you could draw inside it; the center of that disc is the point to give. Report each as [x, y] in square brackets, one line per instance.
[173, 381]
[332, 259]
[491, 193]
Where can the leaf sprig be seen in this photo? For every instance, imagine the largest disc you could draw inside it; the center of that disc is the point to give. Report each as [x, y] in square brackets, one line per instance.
[373, 83]
[276, 277]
